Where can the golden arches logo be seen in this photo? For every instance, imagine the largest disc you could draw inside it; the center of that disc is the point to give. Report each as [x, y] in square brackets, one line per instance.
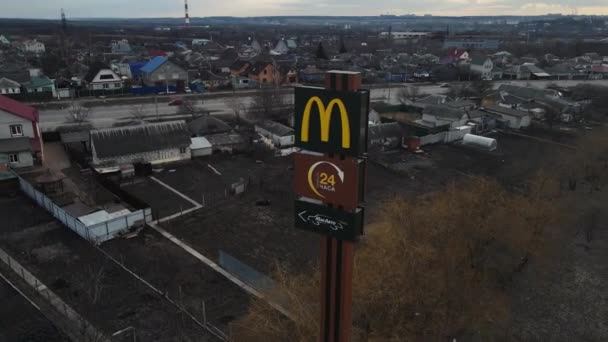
[325, 114]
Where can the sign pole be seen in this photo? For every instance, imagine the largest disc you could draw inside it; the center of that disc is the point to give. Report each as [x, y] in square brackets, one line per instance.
[337, 256]
[330, 169]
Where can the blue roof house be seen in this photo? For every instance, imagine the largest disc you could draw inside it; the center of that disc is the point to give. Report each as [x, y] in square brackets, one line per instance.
[160, 71]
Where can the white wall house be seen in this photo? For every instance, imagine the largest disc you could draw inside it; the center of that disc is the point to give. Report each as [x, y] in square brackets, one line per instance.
[34, 46]
[482, 66]
[20, 139]
[102, 77]
[8, 86]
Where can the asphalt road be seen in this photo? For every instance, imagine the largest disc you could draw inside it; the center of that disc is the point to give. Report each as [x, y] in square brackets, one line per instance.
[106, 116]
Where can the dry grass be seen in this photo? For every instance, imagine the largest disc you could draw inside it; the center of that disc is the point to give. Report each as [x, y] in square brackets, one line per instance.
[431, 269]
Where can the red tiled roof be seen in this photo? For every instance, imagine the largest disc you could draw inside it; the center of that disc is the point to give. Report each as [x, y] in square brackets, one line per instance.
[600, 68]
[157, 53]
[19, 109]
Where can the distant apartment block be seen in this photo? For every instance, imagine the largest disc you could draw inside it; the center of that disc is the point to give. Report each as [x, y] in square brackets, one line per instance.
[483, 44]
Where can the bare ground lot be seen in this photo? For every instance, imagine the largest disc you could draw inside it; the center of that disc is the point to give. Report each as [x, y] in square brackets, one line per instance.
[69, 265]
[162, 201]
[20, 321]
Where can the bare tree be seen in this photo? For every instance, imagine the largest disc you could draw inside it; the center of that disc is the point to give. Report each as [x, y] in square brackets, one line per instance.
[457, 91]
[409, 95]
[78, 113]
[236, 105]
[94, 283]
[189, 107]
[138, 113]
[268, 103]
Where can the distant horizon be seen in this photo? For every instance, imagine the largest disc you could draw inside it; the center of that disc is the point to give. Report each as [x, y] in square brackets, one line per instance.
[309, 16]
[120, 9]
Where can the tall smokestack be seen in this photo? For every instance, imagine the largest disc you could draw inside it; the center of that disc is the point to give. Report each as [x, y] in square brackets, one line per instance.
[187, 15]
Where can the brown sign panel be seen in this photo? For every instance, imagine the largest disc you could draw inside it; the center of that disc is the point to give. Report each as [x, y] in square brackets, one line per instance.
[331, 180]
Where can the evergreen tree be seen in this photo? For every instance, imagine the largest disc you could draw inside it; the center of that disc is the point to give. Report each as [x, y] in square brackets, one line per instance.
[321, 54]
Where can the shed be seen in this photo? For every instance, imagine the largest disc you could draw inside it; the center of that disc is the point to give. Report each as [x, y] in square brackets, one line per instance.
[201, 147]
[280, 134]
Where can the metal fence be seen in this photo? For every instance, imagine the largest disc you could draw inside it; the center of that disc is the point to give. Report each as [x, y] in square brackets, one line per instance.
[97, 233]
[74, 325]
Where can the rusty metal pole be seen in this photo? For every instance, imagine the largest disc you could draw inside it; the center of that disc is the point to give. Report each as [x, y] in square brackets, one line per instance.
[337, 256]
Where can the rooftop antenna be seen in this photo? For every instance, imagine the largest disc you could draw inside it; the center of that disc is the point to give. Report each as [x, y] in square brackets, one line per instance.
[64, 22]
[187, 15]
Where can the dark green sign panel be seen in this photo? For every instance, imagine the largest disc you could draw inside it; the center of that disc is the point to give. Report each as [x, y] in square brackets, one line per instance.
[332, 122]
[332, 222]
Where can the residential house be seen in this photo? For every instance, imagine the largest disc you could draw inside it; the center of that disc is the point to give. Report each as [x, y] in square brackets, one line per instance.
[20, 138]
[281, 47]
[513, 118]
[8, 86]
[264, 73]
[149, 143]
[311, 74]
[33, 46]
[40, 84]
[160, 71]
[101, 77]
[212, 81]
[279, 134]
[289, 74]
[239, 67]
[120, 46]
[4, 40]
[442, 115]
[456, 56]
[482, 66]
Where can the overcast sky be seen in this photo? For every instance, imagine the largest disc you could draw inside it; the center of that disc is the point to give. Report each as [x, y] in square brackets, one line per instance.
[204, 8]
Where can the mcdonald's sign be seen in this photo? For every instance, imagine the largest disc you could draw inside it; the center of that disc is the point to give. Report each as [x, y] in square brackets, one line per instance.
[333, 122]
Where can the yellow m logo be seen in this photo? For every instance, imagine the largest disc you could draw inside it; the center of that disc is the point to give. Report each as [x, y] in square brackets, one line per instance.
[325, 114]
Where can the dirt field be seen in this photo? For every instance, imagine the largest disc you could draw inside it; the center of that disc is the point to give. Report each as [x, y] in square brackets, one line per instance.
[73, 269]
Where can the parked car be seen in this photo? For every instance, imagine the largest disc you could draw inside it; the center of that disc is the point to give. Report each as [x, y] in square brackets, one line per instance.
[176, 102]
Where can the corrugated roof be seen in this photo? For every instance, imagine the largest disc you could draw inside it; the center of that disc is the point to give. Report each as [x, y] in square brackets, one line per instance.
[208, 125]
[275, 128]
[443, 111]
[119, 141]
[153, 64]
[505, 111]
[19, 109]
[15, 145]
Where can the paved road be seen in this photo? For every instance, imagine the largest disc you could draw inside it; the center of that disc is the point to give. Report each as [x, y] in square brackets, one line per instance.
[106, 116]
